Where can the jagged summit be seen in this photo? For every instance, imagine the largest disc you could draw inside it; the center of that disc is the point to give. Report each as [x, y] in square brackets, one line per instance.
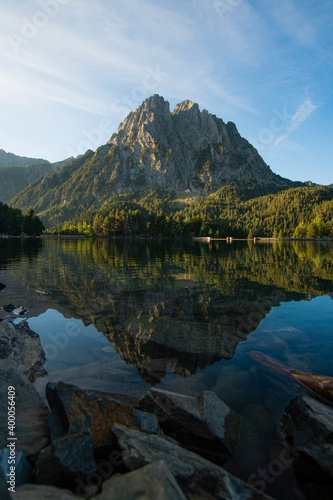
[186, 149]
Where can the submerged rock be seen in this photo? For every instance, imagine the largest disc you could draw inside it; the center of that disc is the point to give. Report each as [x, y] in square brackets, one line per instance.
[197, 477]
[2, 286]
[152, 482]
[319, 384]
[308, 423]
[204, 422]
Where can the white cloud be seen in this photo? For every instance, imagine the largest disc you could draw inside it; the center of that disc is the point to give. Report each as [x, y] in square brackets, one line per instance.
[302, 113]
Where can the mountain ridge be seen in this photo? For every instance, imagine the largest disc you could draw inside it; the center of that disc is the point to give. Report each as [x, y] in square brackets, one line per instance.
[12, 160]
[14, 179]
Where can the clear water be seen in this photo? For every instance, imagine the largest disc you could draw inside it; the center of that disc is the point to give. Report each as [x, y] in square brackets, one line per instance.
[232, 318]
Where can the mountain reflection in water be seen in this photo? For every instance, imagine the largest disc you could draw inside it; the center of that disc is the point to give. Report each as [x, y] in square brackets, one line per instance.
[183, 305]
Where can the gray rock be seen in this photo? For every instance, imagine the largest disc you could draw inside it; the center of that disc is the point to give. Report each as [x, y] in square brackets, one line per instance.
[22, 467]
[205, 422]
[152, 482]
[67, 459]
[95, 411]
[41, 492]
[57, 430]
[19, 311]
[22, 345]
[309, 424]
[197, 477]
[146, 422]
[31, 413]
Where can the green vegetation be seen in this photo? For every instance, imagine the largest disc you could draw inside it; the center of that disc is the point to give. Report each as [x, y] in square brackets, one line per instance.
[241, 211]
[13, 222]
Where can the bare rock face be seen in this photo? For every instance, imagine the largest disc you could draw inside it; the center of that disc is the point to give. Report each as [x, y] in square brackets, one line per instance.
[185, 149]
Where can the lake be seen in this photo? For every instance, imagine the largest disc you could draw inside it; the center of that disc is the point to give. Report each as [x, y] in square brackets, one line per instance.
[123, 316]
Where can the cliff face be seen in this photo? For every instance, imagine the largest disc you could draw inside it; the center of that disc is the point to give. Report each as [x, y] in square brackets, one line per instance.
[187, 149]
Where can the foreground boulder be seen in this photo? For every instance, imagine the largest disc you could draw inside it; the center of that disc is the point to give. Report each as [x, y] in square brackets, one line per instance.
[319, 384]
[31, 412]
[205, 422]
[65, 460]
[153, 481]
[41, 492]
[197, 477]
[308, 423]
[77, 411]
[22, 345]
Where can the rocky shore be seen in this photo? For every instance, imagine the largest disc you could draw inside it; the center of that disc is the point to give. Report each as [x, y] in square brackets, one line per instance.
[91, 444]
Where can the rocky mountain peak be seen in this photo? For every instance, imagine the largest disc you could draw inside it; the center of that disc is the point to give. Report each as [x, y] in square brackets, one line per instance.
[186, 149]
[186, 105]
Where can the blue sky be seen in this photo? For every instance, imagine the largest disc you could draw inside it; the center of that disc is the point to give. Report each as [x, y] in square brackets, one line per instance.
[71, 70]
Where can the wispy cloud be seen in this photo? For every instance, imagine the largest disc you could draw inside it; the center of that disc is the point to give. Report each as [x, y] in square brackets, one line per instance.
[302, 113]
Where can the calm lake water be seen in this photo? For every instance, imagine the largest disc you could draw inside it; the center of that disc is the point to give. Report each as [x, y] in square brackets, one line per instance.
[187, 317]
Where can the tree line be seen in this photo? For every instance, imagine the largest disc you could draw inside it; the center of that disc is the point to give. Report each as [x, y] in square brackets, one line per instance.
[13, 222]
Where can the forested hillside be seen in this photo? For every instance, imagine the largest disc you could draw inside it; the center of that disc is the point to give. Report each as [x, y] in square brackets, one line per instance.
[233, 210]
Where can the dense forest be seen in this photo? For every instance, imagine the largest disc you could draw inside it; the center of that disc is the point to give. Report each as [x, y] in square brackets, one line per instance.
[234, 210]
[13, 222]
